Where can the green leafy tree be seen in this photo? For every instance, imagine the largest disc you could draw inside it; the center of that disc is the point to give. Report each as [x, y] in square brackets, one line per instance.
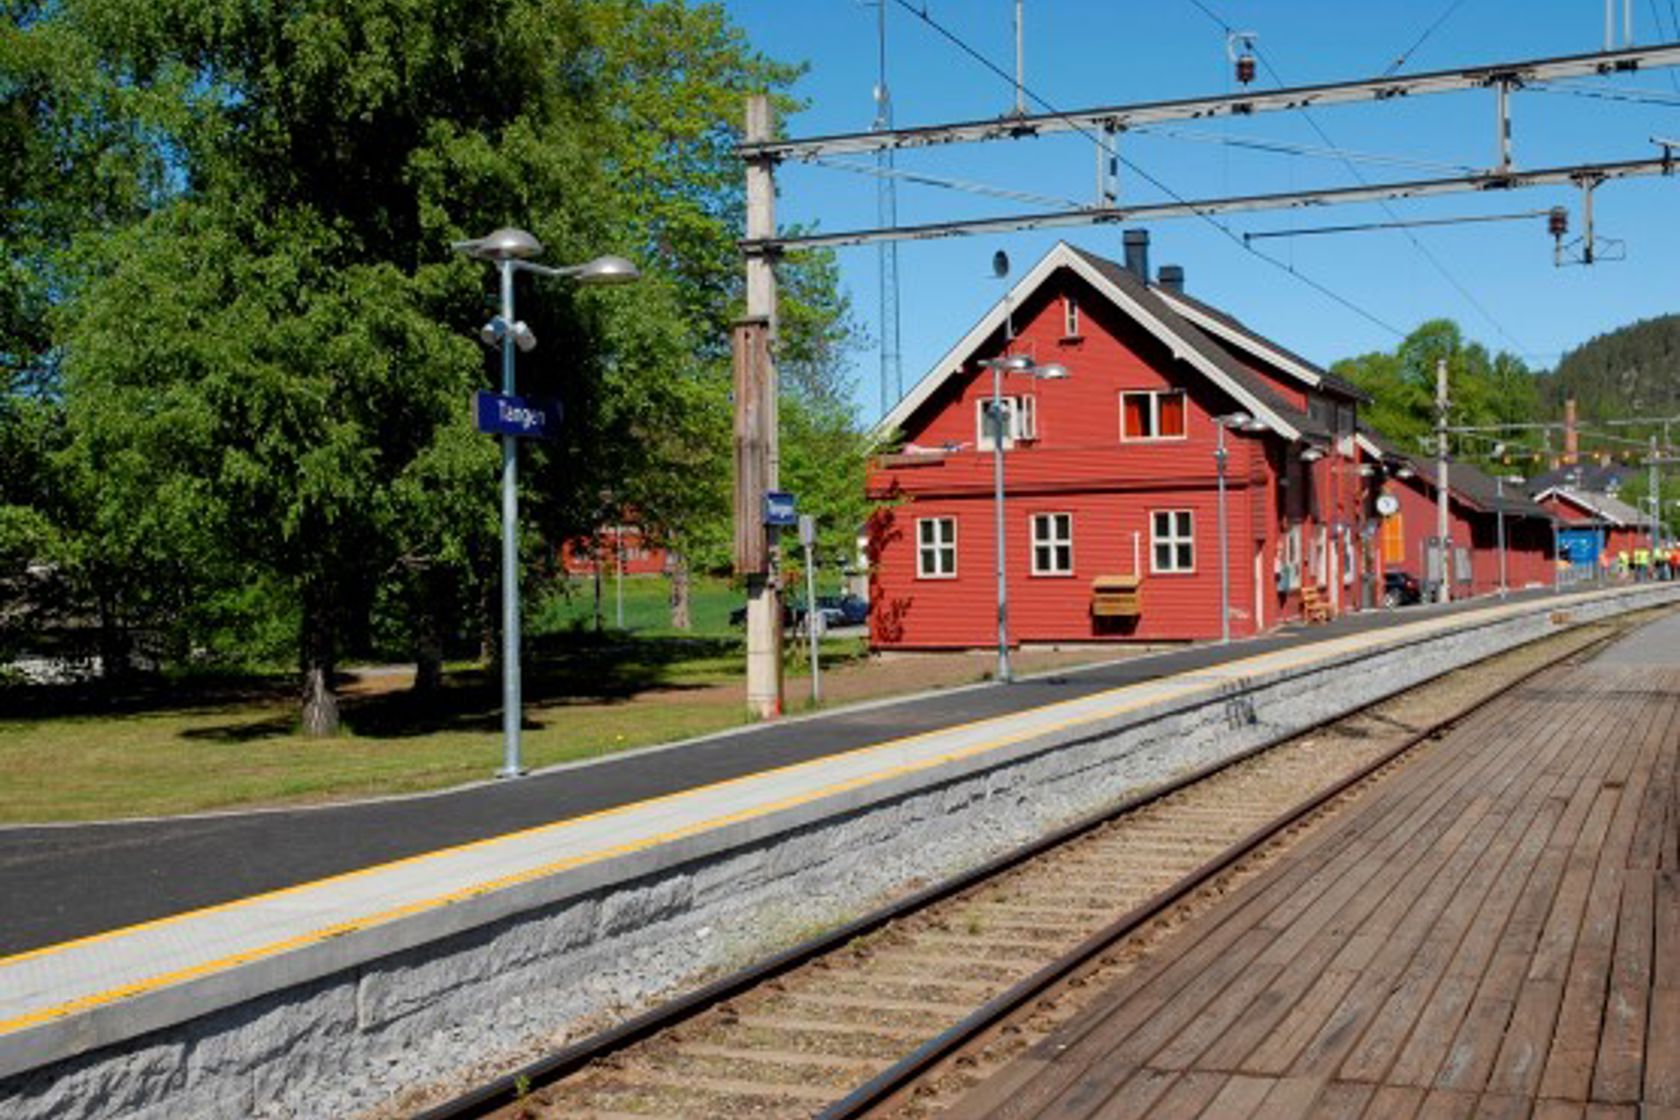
[264, 351]
[1483, 389]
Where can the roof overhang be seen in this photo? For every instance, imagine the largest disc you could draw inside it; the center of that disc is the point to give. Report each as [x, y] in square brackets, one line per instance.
[1585, 504]
[1220, 329]
[1063, 256]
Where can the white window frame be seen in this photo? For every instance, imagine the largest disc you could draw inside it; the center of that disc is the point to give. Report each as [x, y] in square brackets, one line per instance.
[945, 542]
[1154, 414]
[1052, 541]
[1022, 424]
[1070, 318]
[1174, 540]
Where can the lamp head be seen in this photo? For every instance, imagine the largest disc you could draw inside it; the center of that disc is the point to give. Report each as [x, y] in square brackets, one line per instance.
[1054, 371]
[1009, 363]
[608, 270]
[523, 338]
[493, 332]
[504, 244]
[1311, 454]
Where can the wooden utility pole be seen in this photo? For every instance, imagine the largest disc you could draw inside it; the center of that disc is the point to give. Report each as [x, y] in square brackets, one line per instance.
[1444, 541]
[757, 453]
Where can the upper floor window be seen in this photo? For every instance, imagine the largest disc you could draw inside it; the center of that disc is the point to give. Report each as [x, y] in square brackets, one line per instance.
[1052, 544]
[1020, 421]
[1070, 318]
[1152, 415]
[1172, 541]
[936, 548]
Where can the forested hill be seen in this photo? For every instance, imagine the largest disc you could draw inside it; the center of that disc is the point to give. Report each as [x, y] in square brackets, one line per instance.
[1632, 371]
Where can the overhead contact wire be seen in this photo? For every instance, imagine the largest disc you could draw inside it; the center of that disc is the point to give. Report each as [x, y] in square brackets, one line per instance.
[962, 45]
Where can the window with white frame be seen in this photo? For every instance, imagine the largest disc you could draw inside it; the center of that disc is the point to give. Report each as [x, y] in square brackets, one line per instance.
[1070, 318]
[936, 548]
[1152, 415]
[1020, 421]
[1172, 541]
[1052, 544]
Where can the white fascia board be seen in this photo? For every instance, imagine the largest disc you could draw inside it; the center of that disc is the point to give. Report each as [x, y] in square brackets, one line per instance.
[1183, 350]
[1063, 256]
[1215, 326]
[955, 358]
[1367, 445]
[1581, 502]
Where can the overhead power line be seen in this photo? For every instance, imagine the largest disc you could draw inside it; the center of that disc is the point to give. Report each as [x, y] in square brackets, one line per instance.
[1247, 103]
[1137, 170]
[1394, 67]
[1430, 257]
[1411, 223]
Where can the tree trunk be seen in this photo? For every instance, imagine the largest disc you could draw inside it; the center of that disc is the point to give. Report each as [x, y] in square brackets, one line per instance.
[680, 615]
[428, 653]
[113, 642]
[320, 702]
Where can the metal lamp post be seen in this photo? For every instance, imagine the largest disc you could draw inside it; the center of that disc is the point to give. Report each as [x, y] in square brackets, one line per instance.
[1242, 422]
[1012, 363]
[510, 250]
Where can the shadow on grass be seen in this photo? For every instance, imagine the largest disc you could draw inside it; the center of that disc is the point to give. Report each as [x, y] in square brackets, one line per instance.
[575, 669]
[558, 670]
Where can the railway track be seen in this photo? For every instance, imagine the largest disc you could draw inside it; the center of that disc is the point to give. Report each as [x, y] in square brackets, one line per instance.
[852, 1022]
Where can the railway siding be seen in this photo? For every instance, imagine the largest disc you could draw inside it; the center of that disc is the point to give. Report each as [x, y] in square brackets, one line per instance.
[347, 1013]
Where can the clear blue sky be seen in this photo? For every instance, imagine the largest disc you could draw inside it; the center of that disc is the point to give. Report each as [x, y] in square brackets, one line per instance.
[1082, 53]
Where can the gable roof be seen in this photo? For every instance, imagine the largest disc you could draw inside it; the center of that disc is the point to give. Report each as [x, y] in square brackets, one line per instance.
[1586, 475]
[1229, 328]
[1468, 484]
[1139, 303]
[1611, 510]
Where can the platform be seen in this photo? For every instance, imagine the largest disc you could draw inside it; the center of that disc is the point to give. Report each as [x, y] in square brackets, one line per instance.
[371, 975]
[129, 872]
[1494, 932]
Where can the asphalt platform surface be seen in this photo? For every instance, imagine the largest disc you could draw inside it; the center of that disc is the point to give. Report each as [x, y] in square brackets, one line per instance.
[67, 881]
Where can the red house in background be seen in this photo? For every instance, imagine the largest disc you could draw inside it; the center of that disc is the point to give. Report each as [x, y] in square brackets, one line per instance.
[1111, 512]
[1621, 528]
[1407, 523]
[610, 545]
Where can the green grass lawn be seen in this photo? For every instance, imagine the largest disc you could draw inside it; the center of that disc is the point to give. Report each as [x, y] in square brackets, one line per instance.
[569, 604]
[197, 746]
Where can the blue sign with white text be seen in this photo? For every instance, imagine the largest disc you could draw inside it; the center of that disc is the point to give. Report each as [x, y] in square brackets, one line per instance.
[779, 509]
[503, 414]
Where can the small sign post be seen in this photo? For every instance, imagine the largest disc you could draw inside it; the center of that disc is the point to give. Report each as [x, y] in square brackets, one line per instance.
[503, 414]
[814, 619]
[780, 510]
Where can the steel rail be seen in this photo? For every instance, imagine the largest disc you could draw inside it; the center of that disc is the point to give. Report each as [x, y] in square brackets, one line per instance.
[509, 1088]
[1573, 175]
[1126, 116]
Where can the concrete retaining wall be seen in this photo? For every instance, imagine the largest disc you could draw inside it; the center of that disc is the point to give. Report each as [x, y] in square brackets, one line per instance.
[347, 1025]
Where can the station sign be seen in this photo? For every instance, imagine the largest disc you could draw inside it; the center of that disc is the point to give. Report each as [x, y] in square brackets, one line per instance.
[503, 414]
[780, 510]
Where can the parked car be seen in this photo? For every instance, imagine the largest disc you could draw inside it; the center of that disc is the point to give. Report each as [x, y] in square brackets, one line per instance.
[837, 610]
[1401, 589]
[790, 616]
[844, 610]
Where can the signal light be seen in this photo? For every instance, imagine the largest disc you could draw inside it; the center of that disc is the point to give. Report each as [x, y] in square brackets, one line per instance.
[1245, 68]
[1557, 221]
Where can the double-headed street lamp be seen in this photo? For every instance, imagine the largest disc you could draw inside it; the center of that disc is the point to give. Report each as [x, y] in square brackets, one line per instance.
[1241, 422]
[511, 249]
[1000, 430]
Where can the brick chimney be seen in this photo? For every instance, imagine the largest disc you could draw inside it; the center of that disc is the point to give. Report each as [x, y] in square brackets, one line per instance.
[1571, 442]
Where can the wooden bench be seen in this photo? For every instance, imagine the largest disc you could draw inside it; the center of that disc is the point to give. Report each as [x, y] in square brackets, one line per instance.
[1313, 608]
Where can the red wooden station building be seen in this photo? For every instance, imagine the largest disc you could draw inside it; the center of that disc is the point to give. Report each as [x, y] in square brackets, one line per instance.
[1112, 496]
